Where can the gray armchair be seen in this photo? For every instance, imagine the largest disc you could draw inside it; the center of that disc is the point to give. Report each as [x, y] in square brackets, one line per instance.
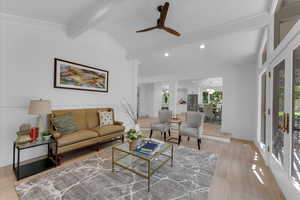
[163, 124]
[193, 127]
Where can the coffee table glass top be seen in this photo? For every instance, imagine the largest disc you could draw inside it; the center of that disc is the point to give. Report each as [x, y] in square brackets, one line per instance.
[161, 149]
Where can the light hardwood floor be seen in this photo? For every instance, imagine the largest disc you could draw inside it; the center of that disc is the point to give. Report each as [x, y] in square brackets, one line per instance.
[241, 173]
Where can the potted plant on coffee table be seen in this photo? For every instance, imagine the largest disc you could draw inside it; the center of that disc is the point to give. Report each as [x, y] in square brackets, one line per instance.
[46, 135]
[133, 136]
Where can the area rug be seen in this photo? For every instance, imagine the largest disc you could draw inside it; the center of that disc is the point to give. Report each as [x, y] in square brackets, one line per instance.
[92, 179]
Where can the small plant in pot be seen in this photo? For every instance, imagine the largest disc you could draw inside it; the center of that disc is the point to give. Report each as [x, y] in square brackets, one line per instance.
[46, 135]
[133, 136]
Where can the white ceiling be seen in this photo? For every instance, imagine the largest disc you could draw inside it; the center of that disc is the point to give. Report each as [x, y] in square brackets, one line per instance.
[195, 19]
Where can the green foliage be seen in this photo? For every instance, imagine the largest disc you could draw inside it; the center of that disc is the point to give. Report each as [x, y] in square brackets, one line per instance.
[132, 134]
[46, 133]
[216, 97]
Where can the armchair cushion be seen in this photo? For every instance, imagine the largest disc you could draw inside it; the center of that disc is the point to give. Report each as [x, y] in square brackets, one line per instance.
[194, 119]
[187, 131]
[162, 127]
[109, 129]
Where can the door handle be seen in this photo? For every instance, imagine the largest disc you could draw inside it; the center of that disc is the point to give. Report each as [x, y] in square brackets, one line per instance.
[286, 122]
[281, 124]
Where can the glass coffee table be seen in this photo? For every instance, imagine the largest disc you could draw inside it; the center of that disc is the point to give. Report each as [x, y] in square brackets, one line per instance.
[144, 165]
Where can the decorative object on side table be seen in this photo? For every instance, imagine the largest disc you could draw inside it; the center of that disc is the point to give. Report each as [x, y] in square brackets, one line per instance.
[23, 135]
[46, 135]
[70, 75]
[29, 169]
[133, 137]
[39, 107]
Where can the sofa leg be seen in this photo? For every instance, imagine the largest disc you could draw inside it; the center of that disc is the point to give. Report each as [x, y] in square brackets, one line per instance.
[58, 159]
[151, 133]
[165, 136]
[169, 132]
[199, 142]
[179, 139]
[188, 138]
[122, 138]
[98, 147]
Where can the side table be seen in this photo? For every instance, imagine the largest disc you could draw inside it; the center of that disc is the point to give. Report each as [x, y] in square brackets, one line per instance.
[175, 126]
[29, 169]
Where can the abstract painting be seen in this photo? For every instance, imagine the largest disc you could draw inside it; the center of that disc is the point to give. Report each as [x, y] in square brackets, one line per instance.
[70, 75]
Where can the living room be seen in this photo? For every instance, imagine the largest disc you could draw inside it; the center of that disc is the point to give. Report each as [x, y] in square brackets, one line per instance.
[145, 99]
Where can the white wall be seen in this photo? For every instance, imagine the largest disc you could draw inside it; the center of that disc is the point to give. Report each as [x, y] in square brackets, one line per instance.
[239, 101]
[27, 73]
[146, 99]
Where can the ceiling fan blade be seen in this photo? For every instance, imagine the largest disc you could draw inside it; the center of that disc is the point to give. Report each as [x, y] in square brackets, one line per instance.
[147, 29]
[172, 31]
[163, 14]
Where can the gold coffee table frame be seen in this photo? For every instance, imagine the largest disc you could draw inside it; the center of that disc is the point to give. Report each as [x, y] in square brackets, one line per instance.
[161, 152]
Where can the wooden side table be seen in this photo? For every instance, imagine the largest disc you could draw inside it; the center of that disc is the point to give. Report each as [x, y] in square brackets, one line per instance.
[175, 126]
[26, 170]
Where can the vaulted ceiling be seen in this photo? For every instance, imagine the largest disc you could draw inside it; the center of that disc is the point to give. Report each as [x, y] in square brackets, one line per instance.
[230, 29]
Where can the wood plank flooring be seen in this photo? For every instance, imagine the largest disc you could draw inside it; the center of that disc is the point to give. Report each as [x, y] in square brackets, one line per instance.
[241, 173]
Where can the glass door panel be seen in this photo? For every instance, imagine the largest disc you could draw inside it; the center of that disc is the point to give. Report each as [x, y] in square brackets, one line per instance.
[278, 112]
[295, 159]
[263, 108]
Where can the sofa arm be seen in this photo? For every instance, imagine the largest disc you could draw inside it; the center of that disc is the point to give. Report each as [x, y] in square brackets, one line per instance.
[118, 123]
[56, 134]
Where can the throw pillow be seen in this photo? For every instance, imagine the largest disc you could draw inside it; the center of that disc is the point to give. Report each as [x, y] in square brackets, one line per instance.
[64, 124]
[106, 118]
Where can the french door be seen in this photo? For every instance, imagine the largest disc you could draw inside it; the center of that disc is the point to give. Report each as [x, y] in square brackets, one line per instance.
[284, 119]
[279, 113]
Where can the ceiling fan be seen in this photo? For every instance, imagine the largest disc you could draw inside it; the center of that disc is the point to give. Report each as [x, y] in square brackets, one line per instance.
[161, 21]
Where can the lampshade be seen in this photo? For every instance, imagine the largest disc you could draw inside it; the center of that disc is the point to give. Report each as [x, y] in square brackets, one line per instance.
[39, 107]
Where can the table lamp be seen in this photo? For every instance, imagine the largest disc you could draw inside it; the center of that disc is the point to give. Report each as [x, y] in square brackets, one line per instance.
[39, 107]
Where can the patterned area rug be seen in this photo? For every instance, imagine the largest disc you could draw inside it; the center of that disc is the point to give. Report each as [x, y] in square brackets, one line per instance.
[92, 179]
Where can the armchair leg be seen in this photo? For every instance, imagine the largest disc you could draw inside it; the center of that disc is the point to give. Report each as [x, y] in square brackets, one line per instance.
[188, 138]
[122, 138]
[179, 139]
[165, 136]
[169, 132]
[199, 142]
[151, 133]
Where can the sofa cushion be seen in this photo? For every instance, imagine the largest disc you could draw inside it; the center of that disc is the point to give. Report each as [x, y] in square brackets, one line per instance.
[76, 137]
[109, 129]
[106, 118]
[92, 116]
[78, 114]
[64, 124]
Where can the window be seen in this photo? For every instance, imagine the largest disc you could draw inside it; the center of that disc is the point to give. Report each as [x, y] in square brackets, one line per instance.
[286, 16]
[205, 98]
[263, 108]
[278, 112]
[295, 166]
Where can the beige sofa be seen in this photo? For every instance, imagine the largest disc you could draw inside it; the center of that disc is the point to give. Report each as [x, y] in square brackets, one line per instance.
[90, 133]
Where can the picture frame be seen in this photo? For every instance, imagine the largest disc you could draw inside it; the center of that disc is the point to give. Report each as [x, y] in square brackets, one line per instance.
[75, 76]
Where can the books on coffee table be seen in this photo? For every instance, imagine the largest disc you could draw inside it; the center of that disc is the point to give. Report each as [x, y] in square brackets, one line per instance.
[149, 147]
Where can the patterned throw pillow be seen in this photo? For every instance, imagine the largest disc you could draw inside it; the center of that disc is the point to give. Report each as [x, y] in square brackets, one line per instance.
[106, 118]
[64, 124]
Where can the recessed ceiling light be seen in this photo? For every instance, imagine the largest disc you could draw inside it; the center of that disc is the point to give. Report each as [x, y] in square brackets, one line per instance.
[166, 54]
[202, 46]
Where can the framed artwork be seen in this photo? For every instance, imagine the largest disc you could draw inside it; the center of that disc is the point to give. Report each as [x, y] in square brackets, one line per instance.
[70, 75]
